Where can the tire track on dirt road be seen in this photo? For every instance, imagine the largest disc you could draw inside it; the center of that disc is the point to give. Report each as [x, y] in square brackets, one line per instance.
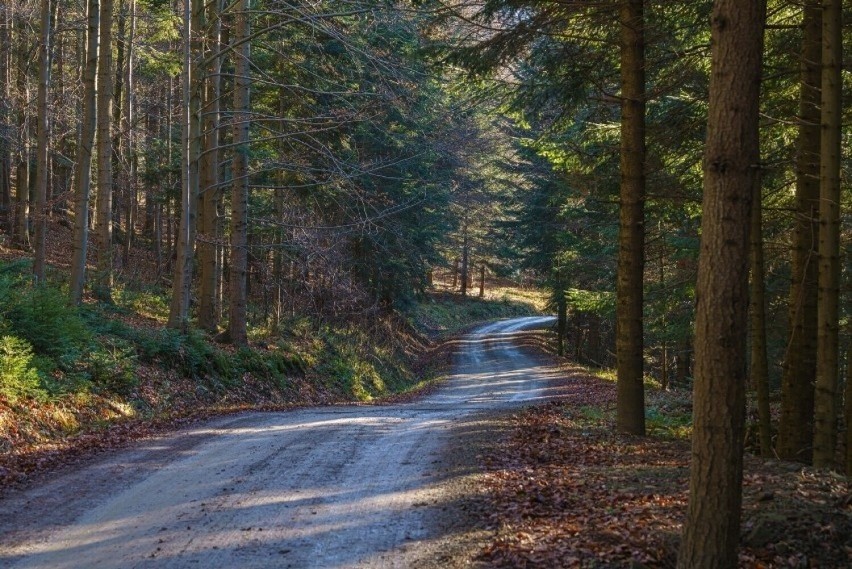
[349, 486]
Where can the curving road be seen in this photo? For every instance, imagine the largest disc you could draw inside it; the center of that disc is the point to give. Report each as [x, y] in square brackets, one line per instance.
[354, 486]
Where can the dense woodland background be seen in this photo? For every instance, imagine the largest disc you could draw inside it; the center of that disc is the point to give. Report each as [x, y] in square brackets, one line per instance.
[240, 170]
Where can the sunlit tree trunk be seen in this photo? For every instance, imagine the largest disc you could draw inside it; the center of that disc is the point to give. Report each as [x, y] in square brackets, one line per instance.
[795, 429]
[83, 168]
[42, 143]
[759, 371]
[825, 397]
[102, 285]
[239, 196]
[731, 171]
[631, 236]
[193, 86]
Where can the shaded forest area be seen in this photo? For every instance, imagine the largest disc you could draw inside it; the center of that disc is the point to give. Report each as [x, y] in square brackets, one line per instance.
[234, 186]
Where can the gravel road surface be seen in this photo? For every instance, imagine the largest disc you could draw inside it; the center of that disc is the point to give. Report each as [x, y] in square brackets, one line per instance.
[349, 486]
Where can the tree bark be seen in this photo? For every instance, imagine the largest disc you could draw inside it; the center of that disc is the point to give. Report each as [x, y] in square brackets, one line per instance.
[239, 196]
[193, 86]
[630, 412]
[848, 411]
[131, 193]
[102, 286]
[42, 143]
[208, 311]
[795, 429]
[83, 168]
[825, 396]
[22, 178]
[731, 170]
[5, 113]
[465, 259]
[759, 373]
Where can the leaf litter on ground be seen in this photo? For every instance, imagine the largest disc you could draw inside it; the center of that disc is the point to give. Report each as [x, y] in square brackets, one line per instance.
[564, 490]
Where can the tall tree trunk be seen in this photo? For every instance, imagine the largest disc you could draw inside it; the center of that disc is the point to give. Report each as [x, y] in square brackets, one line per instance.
[102, 286]
[5, 112]
[795, 429]
[465, 260]
[239, 196]
[131, 196]
[22, 178]
[759, 373]
[731, 171]
[193, 86]
[631, 236]
[42, 153]
[83, 168]
[208, 312]
[848, 411]
[825, 411]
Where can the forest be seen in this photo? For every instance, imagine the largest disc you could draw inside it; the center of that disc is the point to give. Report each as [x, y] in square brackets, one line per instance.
[208, 183]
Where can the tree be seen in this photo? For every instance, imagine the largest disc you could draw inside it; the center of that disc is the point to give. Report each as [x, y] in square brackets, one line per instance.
[210, 192]
[102, 286]
[828, 306]
[631, 235]
[5, 111]
[42, 144]
[83, 167]
[193, 85]
[759, 366]
[795, 430]
[731, 171]
[240, 188]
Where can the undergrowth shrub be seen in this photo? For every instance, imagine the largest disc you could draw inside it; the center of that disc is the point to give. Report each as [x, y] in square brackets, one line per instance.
[42, 316]
[112, 365]
[18, 376]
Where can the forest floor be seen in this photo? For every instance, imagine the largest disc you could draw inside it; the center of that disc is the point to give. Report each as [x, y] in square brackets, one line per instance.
[560, 489]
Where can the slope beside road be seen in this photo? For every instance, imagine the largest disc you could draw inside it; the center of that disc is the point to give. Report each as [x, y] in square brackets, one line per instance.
[351, 486]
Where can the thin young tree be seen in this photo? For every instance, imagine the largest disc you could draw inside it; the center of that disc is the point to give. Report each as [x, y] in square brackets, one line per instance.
[731, 170]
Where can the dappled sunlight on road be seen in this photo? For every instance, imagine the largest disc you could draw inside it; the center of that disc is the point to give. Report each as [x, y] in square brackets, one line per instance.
[327, 487]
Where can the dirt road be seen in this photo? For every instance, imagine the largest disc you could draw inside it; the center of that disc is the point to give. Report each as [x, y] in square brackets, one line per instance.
[352, 486]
